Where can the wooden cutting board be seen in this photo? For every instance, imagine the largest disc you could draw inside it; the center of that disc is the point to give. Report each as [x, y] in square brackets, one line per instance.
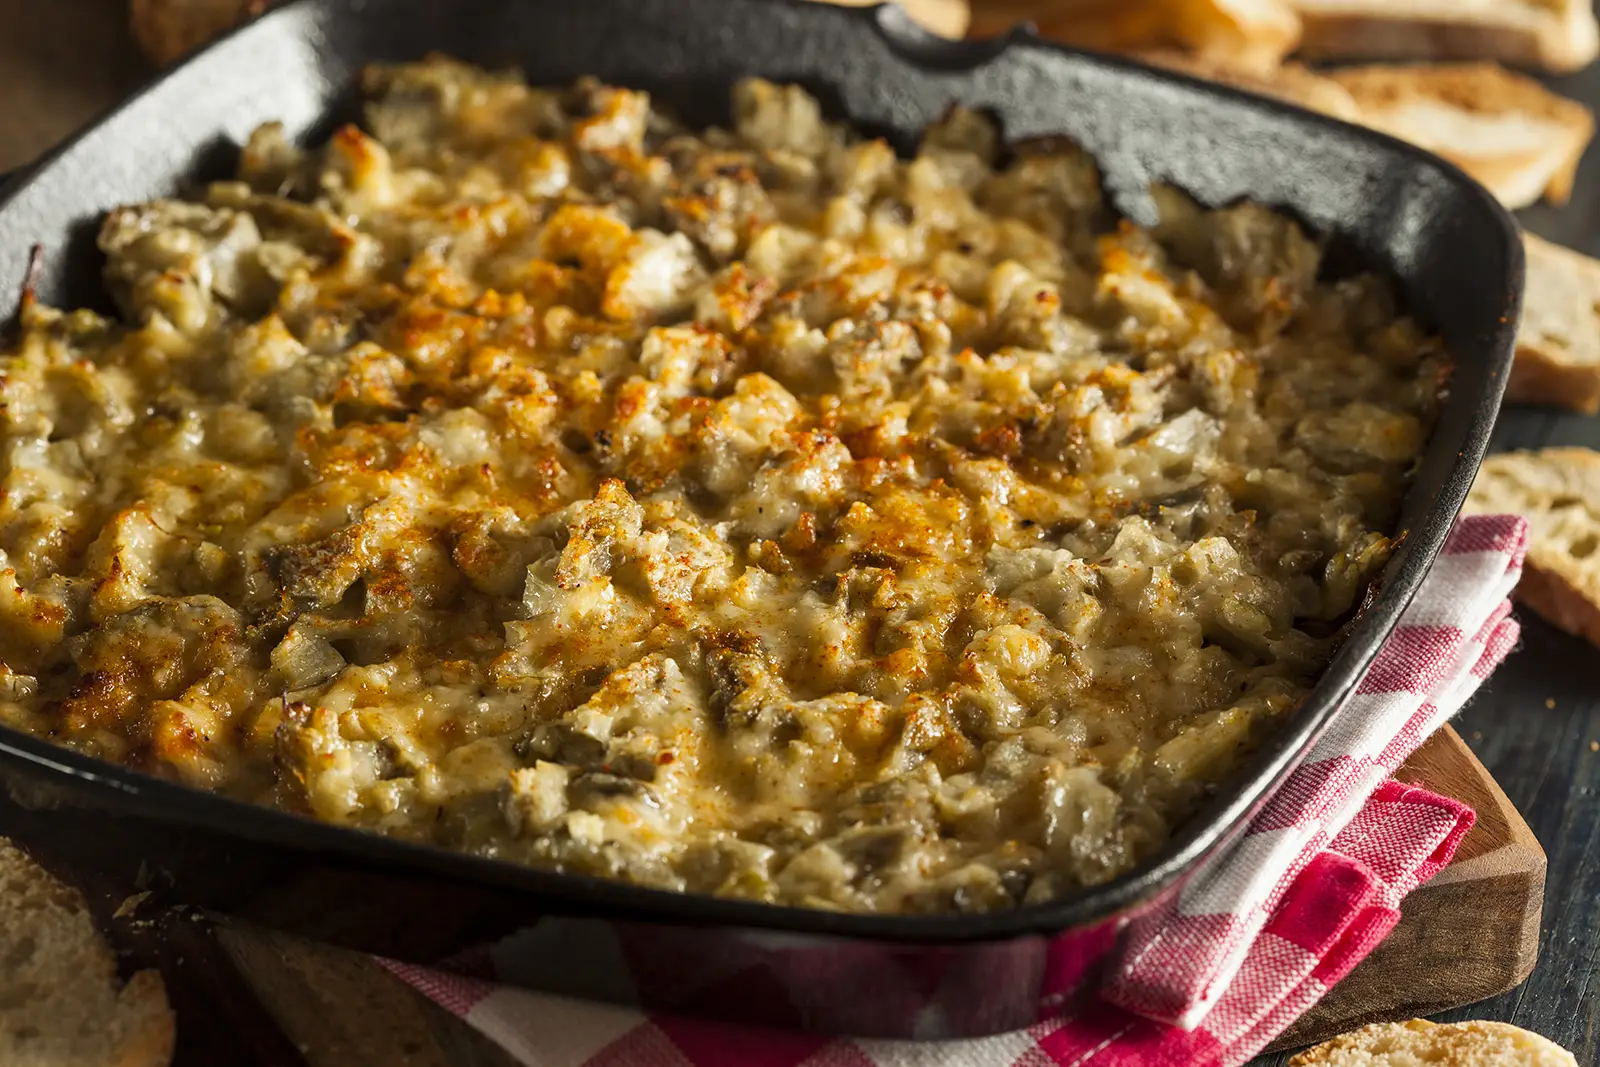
[1469, 934]
[257, 998]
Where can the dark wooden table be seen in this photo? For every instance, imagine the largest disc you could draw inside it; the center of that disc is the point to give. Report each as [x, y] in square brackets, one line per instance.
[1536, 725]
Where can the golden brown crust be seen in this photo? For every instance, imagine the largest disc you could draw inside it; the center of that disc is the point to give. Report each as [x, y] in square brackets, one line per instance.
[1385, 93]
[510, 524]
[1251, 36]
[151, 1044]
[1327, 1052]
[1559, 191]
[1541, 377]
[1516, 33]
[1419, 1041]
[1558, 490]
[1377, 97]
[1292, 82]
[1473, 87]
[1547, 593]
[1558, 339]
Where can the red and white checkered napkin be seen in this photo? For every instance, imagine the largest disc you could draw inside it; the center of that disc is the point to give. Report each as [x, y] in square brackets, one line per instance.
[1252, 942]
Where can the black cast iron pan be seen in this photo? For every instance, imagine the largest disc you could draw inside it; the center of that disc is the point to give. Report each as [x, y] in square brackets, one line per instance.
[1454, 252]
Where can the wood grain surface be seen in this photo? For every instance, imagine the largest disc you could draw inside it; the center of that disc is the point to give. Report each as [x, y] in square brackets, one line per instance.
[342, 1009]
[258, 999]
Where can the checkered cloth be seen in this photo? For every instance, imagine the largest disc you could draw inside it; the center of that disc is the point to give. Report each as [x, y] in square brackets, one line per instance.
[1252, 942]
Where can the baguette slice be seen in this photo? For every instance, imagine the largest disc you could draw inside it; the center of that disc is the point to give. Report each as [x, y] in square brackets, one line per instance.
[1419, 1043]
[1291, 83]
[60, 1002]
[1557, 35]
[1558, 341]
[1558, 491]
[1254, 35]
[1249, 35]
[1507, 131]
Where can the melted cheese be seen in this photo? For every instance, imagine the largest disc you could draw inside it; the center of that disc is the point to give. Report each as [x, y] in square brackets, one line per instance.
[744, 512]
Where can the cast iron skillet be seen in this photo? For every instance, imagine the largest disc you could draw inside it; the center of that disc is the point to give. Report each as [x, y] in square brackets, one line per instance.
[1454, 252]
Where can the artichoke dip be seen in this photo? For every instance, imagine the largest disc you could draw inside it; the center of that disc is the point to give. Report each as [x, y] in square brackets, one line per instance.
[747, 511]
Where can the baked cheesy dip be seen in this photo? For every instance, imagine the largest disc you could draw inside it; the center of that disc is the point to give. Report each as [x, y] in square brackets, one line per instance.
[747, 511]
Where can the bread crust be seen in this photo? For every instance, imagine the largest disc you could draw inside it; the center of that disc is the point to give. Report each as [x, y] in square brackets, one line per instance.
[1250, 36]
[1558, 340]
[1557, 601]
[1519, 34]
[1453, 1043]
[1477, 87]
[151, 1045]
[62, 1001]
[1555, 582]
[1544, 588]
[1514, 175]
[1538, 377]
[1292, 83]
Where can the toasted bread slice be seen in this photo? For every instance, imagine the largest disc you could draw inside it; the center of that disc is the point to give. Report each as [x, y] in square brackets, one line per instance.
[1292, 83]
[1247, 35]
[1558, 342]
[1558, 491]
[1507, 131]
[1557, 35]
[61, 1004]
[1419, 1043]
[1254, 35]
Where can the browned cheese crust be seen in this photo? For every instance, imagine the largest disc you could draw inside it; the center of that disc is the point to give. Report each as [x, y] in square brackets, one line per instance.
[742, 511]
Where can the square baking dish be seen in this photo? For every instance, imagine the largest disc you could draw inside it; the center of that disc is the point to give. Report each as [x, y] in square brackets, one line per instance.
[1454, 253]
